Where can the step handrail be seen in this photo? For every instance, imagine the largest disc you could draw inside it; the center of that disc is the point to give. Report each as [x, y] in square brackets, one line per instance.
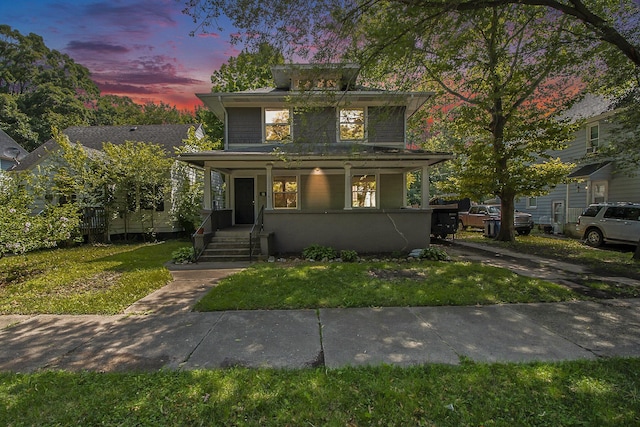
[259, 225]
[206, 225]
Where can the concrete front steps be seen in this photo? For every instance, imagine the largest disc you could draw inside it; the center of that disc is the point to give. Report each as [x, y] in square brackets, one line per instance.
[231, 245]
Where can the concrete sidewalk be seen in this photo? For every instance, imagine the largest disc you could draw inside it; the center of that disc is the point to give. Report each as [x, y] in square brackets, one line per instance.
[161, 332]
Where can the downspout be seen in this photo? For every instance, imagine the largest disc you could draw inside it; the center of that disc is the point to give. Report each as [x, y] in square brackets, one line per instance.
[226, 124]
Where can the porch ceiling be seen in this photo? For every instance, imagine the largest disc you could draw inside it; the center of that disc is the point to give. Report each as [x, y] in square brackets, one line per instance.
[234, 161]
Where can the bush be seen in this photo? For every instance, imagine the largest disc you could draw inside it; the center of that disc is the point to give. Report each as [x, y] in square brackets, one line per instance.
[434, 254]
[348, 256]
[183, 254]
[319, 252]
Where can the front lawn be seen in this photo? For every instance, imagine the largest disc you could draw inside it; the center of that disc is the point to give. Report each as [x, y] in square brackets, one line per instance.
[376, 284]
[586, 393]
[90, 279]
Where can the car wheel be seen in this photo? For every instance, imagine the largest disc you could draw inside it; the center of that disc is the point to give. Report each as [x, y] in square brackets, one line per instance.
[594, 237]
[524, 232]
[461, 226]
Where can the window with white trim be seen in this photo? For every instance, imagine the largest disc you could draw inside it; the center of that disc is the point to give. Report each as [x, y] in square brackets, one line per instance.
[363, 191]
[593, 138]
[285, 192]
[352, 124]
[276, 124]
[532, 202]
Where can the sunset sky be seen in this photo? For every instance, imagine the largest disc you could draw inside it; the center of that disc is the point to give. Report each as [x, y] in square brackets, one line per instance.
[136, 48]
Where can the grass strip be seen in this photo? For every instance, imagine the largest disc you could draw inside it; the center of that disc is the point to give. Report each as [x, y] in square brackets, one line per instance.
[586, 393]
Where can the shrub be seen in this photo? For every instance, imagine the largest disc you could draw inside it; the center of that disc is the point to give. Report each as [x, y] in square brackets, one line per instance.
[434, 254]
[319, 252]
[183, 254]
[348, 256]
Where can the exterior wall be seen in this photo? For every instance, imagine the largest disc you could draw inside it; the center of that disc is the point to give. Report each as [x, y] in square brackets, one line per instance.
[321, 191]
[386, 124]
[317, 126]
[245, 126]
[391, 191]
[375, 231]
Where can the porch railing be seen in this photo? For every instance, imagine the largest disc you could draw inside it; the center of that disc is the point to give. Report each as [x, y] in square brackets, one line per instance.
[258, 226]
[217, 219]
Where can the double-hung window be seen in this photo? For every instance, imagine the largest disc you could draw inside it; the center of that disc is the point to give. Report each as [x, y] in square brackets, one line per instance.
[352, 124]
[285, 192]
[363, 191]
[593, 138]
[277, 127]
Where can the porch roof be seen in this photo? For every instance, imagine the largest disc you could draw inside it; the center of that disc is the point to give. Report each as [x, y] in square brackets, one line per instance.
[227, 161]
[588, 170]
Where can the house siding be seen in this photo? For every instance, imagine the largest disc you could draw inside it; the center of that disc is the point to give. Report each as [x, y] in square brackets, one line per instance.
[316, 126]
[386, 125]
[245, 126]
[321, 191]
[391, 191]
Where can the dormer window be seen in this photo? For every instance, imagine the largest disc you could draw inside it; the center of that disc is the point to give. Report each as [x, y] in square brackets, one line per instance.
[593, 138]
[276, 124]
[352, 124]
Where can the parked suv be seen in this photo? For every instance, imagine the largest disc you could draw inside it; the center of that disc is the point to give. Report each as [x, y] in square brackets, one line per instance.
[610, 222]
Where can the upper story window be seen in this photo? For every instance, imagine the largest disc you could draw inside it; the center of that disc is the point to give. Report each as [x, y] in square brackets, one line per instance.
[532, 202]
[352, 124]
[276, 124]
[593, 138]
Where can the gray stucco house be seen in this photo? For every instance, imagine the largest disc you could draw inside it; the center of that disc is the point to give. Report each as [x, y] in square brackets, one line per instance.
[593, 180]
[319, 160]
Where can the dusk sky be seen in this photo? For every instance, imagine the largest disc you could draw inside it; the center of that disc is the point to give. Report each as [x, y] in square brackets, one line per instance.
[135, 48]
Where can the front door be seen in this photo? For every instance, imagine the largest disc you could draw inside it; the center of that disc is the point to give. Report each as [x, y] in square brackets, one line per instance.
[244, 202]
[558, 216]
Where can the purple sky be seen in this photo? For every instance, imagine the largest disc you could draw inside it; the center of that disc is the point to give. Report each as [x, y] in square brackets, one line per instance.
[136, 48]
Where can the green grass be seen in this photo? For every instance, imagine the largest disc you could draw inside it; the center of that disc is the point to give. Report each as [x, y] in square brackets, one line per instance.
[585, 393]
[600, 260]
[366, 284]
[83, 280]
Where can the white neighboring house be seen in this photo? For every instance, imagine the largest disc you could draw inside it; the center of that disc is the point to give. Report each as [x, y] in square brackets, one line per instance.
[594, 179]
[11, 153]
[92, 138]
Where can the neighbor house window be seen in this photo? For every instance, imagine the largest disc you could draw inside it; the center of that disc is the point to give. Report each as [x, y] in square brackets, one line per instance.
[276, 124]
[593, 138]
[351, 124]
[285, 192]
[532, 202]
[363, 191]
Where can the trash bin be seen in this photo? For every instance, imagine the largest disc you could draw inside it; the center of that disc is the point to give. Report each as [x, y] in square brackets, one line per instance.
[491, 227]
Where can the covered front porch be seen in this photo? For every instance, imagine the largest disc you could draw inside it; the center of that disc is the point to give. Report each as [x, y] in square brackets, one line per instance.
[353, 202]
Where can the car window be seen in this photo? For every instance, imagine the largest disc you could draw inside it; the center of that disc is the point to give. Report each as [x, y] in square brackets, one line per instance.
[632, 214]
[494, 209]
[591, 211]
[473, 210]
[614, 212]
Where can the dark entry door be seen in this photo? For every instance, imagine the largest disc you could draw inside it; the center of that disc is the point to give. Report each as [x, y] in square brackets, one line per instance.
[244, 200]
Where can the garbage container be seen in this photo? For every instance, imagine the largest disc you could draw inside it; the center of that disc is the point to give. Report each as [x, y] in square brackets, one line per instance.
[491, 227]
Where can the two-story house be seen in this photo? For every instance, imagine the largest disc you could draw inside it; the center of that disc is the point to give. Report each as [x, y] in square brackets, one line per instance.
[594, 180]
[318, 160]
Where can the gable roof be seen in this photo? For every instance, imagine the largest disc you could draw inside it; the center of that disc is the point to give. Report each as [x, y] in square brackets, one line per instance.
[93, 137]
[10, 149]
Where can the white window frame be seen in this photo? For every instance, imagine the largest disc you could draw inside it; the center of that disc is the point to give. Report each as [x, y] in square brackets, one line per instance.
[282, 174]
[591, 147]
[364, 124]
[595, 196]
[376, 195]
[267, 124]
[533, 205]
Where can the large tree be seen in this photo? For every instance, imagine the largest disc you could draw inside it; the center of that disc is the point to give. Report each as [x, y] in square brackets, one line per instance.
[488, 65]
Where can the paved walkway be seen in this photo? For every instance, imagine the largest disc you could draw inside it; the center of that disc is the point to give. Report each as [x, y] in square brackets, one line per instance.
[161, 332]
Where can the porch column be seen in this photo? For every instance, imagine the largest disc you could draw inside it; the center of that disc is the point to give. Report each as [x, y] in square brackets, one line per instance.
[269, 187]
[208, 202]
[347, 186]
[424, 190]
